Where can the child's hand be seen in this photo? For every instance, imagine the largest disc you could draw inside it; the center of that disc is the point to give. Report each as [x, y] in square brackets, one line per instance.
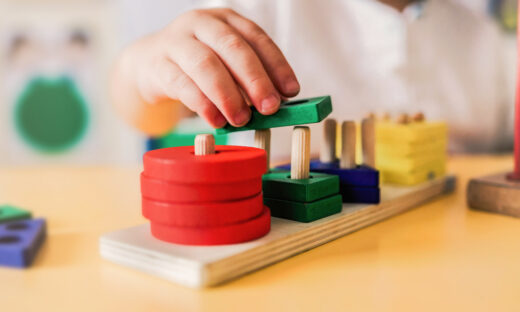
[205, 59]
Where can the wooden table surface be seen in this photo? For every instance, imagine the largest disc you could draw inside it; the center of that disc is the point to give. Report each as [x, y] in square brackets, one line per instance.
[438, 257]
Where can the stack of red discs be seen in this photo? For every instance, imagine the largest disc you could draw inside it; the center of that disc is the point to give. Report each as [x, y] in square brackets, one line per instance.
[205, 199]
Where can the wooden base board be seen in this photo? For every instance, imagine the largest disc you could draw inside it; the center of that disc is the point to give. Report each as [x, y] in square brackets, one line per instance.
[197, 266]
[495, 193]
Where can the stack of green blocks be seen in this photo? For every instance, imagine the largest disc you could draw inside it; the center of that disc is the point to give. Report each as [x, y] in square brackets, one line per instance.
[304, 200]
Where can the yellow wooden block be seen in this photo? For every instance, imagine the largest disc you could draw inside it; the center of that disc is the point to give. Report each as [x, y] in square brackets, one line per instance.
[390, 132]
[410, 163]
[413, 177]
[410, 150]
[411, 153]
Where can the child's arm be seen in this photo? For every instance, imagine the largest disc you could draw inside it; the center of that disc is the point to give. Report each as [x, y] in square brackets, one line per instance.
[204, 59]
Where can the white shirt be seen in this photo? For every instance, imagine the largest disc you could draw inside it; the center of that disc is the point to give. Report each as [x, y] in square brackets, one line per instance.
[436, 57]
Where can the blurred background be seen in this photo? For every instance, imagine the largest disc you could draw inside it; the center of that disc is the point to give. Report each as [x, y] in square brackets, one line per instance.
[55, 59]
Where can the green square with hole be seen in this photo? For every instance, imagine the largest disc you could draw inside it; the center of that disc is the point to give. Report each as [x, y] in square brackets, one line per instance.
[291, 113]
[279, 185]
[304, 212]
[11, 213]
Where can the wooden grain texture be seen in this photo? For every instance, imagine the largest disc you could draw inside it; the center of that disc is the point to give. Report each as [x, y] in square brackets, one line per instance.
[328, 141]
[368, 142]
[300, 153]
[348, 145]
[495, 193]
[263, 140]
[204, 144]
[208, 266]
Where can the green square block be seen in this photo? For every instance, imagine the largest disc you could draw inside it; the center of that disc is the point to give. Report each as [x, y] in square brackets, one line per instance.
[304, 212]
[297, 112]
[10, 213]
[279, 185]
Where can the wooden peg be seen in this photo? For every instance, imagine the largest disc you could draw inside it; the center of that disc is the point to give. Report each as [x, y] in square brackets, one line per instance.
[418, 117]
[204, 144]
[300, 153]
[368, 140]
[348, 145]
[370, 115]
[263, 141]
[403, 119]
[328, 141]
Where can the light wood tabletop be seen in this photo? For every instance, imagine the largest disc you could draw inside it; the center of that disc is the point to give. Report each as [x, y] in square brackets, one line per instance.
[438, 257]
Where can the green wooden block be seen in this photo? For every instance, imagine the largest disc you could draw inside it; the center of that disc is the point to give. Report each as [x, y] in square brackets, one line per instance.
[279, 185]
[297, 112]
[10, 213]
[304, 212]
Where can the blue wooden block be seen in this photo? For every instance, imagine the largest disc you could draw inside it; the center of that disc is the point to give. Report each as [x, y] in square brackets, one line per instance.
[315, 164]
[20, 242]
[364, 195]
[361, 176]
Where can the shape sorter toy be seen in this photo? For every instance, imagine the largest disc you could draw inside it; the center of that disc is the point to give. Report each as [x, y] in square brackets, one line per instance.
[358, 183]
[190, 199]
[205, 194]
[20, 236]
[411, 150]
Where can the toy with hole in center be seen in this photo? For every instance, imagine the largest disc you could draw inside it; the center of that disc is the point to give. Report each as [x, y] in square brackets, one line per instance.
[205, 194]
[20, 242]
[301, 195]
[291, 113]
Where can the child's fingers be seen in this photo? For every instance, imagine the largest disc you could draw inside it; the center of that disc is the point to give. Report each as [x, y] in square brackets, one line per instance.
[177, 85]
[241, 61]
[211, 76]
[273, 59]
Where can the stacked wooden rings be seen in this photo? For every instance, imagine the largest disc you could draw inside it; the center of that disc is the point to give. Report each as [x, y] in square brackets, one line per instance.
[205, 199]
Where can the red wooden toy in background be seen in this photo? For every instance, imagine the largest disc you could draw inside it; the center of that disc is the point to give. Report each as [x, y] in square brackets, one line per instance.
[205, 194]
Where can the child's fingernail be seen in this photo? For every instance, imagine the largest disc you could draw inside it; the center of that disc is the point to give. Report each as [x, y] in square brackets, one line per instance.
[292, 86]
[242, 117]
[270, 104]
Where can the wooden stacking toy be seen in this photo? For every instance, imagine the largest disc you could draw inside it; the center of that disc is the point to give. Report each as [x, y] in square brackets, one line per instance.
[205, 194]
[411, 150]
[358, 183]
[21, 237]
[301, 195]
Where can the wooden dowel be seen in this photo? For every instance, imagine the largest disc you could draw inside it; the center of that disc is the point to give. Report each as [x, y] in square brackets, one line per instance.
[403, 119]
[204, 144]
[300, 153]
[368, 140]
[263, 141]
[348, 145]
[418, 117]
[328, 141]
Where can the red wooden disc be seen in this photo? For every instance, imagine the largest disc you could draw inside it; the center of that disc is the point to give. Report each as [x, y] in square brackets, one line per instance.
[191, 193]
[221, 235]
[203, 214]
[228, 164]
